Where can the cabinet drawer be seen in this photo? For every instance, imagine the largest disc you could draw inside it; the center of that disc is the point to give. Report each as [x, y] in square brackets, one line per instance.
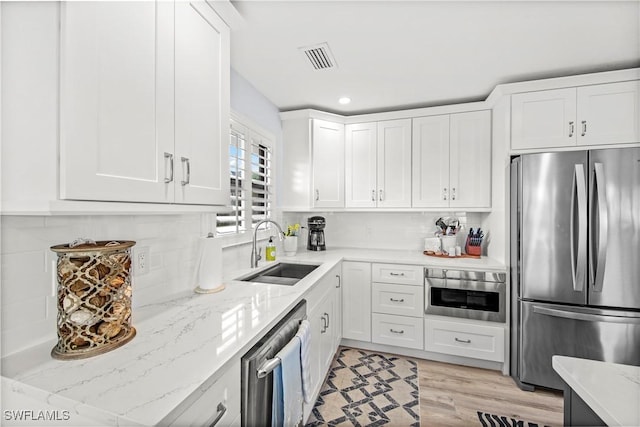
[397, 273]
[221, 396]
[403, 300]
[464, 339]
[396, 330]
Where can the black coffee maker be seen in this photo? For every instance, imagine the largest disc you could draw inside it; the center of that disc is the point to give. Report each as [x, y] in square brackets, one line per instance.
[316, 233]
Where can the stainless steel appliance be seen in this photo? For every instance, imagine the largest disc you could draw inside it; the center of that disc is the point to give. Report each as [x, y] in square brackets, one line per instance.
[468, 294]
[575, 260]
[316, 233]
[259, 362]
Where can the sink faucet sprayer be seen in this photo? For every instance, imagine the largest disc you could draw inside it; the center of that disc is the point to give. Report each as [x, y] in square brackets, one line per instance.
[255, 256]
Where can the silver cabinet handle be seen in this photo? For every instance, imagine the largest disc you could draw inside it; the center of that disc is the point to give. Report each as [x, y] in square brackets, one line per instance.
[317, 194]
[186, 161]
[396, 300]
[444, 193]
[396, 274]
[373, 195]
[339, 281]
[381, 198]
[463, 341]
[584, 128]
[599, 196]
[571, 129]
[396, 332]
[324, 325]
[221, 410]
[579, 206]
[170, 157]
[327, 314]
[453, 193]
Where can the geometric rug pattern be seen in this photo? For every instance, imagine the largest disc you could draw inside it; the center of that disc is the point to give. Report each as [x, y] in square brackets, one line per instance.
[492, 420]
[365, 388]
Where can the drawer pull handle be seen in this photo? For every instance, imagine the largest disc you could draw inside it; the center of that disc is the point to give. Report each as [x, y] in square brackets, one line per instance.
[397, 300]
[396, 274]
[221, 409]
[396, 332]
[463, 341]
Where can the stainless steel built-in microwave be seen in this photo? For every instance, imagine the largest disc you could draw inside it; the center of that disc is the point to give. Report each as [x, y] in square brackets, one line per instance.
[466, 294]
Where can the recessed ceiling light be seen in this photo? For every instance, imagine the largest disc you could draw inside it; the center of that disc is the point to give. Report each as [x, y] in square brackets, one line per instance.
[344, 100]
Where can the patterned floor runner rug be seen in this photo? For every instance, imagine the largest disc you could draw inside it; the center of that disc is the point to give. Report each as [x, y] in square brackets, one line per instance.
[365, 388]
[492, 420]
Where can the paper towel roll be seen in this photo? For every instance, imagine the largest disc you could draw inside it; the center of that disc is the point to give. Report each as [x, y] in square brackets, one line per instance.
[209, 273]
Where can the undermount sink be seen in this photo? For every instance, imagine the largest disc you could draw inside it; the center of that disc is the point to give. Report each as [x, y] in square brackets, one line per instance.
[287, 274]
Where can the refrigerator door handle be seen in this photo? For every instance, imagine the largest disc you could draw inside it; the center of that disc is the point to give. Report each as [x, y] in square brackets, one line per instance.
[599, 189]
[579, 207]
[588, 317]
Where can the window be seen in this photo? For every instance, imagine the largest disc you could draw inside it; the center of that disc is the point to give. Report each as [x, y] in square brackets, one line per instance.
[250, 157]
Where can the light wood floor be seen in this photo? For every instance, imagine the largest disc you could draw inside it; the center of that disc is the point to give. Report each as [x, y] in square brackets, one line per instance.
[451, 395]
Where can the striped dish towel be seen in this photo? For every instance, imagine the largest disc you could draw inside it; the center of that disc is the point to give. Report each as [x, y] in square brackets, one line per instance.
[304, 333]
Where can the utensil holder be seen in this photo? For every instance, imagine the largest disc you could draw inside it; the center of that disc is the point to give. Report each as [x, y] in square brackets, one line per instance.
[93, 298]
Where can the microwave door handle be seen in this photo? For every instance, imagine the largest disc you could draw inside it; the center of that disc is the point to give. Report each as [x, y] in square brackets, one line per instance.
[579, 208]
[601, 228]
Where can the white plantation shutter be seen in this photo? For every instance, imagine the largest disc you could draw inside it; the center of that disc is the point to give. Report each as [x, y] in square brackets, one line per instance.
[250, 178]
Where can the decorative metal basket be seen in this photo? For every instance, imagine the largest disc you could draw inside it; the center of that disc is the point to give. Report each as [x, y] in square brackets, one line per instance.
[94, 298]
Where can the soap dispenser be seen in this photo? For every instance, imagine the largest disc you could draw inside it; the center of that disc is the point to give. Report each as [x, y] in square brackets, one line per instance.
[270, 250]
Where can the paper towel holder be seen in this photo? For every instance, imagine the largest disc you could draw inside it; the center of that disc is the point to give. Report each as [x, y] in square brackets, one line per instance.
[200, 290]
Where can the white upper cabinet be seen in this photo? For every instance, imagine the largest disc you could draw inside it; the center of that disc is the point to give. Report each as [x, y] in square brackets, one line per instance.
[431, 161]
[452, 160]
[609, 113]
[470, 160]
[587, 115]
[328, 164]
[394, 164]
[378, 164]
[360, 165]
[201, 105]
[116, 101]
[543, 119]
[144, 102]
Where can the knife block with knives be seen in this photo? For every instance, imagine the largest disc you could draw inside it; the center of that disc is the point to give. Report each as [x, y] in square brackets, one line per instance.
[473, 245]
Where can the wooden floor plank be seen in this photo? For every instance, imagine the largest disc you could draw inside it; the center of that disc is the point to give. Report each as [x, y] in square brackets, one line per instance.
[451, 395]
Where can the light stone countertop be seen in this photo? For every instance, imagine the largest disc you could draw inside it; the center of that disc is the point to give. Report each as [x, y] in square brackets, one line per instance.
[611, 390]
[181, 344]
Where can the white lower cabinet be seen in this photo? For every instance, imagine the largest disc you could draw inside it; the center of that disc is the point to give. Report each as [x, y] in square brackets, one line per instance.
[402, 300]
[400, 331]
[464, 339]
[219, 404]
[356, 301]
[324, 314]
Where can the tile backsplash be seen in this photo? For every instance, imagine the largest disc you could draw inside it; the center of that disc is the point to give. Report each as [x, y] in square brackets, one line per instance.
[28, 265]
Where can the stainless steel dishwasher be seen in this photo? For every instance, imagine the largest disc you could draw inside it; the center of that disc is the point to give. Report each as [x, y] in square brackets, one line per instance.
[259, 362]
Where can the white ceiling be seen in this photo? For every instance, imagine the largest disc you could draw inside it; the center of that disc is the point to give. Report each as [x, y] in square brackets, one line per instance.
[406, 54]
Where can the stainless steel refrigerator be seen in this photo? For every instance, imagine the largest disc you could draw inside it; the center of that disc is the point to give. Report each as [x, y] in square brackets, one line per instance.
[575, 260]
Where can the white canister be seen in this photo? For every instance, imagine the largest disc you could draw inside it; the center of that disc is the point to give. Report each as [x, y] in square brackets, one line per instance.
[432, 244]
[448, 242]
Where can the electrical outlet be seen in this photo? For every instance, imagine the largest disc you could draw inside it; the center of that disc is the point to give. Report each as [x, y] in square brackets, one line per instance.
[142, 261]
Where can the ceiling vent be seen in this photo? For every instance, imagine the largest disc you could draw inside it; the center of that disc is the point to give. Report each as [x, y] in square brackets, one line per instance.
[320, 56]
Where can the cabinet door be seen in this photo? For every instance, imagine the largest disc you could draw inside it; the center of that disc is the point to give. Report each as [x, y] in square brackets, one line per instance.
[116, 101]
[394, 164]
[470, 162]
[328, 164]
[201, 105]
[609, 113]
[336, 325]
[430, 184]
[360, 165]
[356, 301]
[544, 119]
[327, 338]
